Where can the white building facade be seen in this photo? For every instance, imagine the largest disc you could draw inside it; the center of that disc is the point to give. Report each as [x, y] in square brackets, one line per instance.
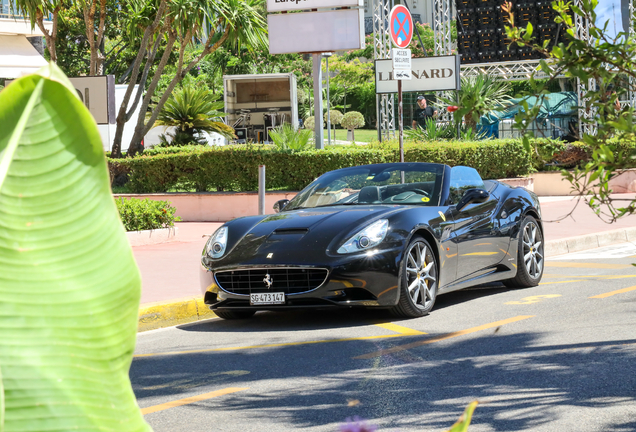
[18, 56]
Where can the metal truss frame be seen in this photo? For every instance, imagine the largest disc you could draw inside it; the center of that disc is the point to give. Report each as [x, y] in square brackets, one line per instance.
[515, 70]
[442, 15]
[509, 71]
[632, 81]
[583, 33]
[382, 50]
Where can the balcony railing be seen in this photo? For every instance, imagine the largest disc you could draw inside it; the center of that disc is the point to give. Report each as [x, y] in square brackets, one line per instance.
[6, 11]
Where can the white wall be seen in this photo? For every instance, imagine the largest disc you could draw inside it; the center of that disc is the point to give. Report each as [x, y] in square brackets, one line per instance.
[108, 131]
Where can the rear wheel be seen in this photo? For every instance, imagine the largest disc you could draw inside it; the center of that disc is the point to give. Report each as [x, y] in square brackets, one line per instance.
[233, 315]
[530, 256]
[418, 280]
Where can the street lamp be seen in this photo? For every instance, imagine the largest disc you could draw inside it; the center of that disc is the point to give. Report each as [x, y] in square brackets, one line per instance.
[326, 56]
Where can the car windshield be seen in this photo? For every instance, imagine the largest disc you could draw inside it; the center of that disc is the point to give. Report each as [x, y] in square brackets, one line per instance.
[397, 183]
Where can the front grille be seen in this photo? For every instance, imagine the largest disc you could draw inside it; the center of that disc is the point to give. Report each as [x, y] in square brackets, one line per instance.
[287, 280]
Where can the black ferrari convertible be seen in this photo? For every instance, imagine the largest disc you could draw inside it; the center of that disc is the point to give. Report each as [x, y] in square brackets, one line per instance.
[390, 236]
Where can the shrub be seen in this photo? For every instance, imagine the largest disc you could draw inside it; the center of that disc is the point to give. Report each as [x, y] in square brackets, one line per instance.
[192, 109]
[335, 117]
[286, 138]
[139, 215]
[235, 168]
[352, 120]
[310, 123]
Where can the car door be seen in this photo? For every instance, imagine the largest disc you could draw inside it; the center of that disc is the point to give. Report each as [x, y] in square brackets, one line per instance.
[474, 231]
[478, 245]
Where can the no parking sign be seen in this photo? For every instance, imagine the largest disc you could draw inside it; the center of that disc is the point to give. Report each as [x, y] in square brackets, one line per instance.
[400, 26]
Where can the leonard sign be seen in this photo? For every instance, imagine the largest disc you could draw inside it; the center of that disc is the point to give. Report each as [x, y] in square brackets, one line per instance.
[428, 74]
[400, 26]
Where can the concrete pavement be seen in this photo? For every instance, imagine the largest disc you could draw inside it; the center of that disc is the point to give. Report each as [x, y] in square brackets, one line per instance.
[170, 271]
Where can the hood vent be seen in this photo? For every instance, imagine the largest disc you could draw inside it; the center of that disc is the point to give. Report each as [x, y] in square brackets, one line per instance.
[291, 231]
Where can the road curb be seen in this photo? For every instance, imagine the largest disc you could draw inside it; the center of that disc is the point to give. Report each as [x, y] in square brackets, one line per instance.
[589, 241]
[157, 315]
[165, 314]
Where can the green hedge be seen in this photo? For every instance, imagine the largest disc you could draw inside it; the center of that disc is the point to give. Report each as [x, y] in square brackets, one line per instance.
[557, 155]
[235, 168]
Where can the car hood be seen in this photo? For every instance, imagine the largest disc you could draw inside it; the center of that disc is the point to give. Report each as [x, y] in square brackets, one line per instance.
[293, 236]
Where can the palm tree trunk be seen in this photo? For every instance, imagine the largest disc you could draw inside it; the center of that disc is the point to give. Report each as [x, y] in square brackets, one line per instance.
[123, 116]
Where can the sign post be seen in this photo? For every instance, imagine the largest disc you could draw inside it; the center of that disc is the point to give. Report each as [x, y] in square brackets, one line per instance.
[401, 30]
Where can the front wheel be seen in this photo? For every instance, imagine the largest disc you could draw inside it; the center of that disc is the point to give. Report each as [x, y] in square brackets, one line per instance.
[233, 315]
[418, 280]
[530, 255]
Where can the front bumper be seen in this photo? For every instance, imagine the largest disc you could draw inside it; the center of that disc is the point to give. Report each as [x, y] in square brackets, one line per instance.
[364, 280]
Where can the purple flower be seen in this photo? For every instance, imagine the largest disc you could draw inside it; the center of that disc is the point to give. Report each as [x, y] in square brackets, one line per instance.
[357, 425]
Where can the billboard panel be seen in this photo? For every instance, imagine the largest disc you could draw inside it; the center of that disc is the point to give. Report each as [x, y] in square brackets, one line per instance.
[291, 5]
[314, 32]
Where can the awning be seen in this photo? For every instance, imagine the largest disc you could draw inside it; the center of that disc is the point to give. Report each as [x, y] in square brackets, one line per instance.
[18, 57]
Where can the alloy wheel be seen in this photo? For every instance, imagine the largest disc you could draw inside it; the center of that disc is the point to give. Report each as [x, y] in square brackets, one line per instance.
[421, 275]
[532, 250]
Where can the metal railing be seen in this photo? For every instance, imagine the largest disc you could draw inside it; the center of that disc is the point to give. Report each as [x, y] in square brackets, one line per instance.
[7, 9]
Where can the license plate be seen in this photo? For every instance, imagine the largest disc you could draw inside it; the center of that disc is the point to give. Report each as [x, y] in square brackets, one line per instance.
[267, 298]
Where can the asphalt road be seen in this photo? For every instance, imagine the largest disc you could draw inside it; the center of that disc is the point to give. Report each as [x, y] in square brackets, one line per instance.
[557, 357]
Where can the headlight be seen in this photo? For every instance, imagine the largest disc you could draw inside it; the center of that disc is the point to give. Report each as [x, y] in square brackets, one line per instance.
[215, 247]
[367, 238]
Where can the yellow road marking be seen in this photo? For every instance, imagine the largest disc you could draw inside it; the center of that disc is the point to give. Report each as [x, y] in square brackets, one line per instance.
[399, 329]
[192, 399]
[533, 299]
[549, 276]
[401, 332]
[568, 281]
[442, 337]
[587, 265]
[611, 293]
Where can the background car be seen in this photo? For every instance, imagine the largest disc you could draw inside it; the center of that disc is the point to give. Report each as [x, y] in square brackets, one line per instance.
[388, 236]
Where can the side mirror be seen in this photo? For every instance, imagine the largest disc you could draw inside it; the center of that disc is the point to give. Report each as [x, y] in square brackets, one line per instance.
[472, 196]
[279, 205]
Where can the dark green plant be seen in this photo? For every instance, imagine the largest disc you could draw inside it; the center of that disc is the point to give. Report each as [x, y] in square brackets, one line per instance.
[431, 132]
[180, 24]
[478, 95]
[467, 133]
[179, 139]
[145, 214]
[193, 109]
[235, 168]
[287, 138]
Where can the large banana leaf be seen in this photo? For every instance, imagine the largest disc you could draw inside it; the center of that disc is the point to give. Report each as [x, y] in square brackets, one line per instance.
[69, 286]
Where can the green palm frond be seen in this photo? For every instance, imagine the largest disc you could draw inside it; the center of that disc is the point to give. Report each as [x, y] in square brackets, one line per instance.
[193, 109]
[478, 95]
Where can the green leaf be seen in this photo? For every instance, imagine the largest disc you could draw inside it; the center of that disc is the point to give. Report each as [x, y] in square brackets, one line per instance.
[464, 421]
[528, 34]
[70, 287]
